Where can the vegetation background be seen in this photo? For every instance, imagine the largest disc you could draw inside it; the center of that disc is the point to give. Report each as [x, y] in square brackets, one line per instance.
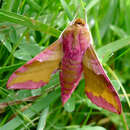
[29, 26]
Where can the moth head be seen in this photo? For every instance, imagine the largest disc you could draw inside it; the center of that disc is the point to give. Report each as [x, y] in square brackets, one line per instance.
[75, 27]
[80, 22]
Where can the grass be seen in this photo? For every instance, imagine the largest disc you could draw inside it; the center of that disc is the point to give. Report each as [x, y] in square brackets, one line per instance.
[29, 26]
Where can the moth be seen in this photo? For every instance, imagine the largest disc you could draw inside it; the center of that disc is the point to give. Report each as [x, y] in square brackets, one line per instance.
[74, 55]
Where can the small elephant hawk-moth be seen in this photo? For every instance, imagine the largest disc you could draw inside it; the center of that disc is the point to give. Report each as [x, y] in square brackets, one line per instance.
[74, 55]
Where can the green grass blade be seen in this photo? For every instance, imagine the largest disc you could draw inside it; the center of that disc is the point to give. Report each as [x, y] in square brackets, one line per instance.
[127, 15]
[112, 47]
[107, 19]
[23, 20]
[7, 5]
[120, 32]
[8, 68]
[15, 6]
[34, 5]
[33, 110]
[67, 10]
[91, 4]
[42, 121]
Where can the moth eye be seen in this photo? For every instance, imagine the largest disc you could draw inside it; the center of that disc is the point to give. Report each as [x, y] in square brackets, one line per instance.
[79, 22]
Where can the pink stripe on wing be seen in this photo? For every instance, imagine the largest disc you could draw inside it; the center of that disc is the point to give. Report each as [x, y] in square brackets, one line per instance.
[27, 85]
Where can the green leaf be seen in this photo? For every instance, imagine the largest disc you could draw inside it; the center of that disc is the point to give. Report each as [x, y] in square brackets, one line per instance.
[5, 42]
[86, 128]
[92, 128]
[22, 55]
[36, 91]
[127, 15]
[7, 45]
[120, 32]
[91, 4]
[21, 94]
[116, 85]
[113, 47]
[7, 4]
[106, 57]
[26, 51]
[43, 118]
[12, 35]
[39, 105]
[34, 5]
[70, 105]
[31, 48]
[67, 10]
[15, 5]
[23, 20]
[107, 19]
[9, 68]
